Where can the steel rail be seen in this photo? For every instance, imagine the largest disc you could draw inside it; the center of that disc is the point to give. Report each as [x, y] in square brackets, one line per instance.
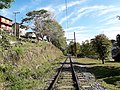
[56, 77]
[74, 75]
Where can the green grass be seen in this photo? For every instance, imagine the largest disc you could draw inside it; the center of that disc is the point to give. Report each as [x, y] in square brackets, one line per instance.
[29, 64]
[108, 73]
[35, 67]
[24, 78]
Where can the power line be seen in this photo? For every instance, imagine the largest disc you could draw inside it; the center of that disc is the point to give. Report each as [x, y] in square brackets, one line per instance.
[67, 27]
[66, 13]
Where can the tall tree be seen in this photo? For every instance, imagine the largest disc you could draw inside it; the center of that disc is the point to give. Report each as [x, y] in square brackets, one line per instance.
[56, 35]
[42, 22]
[37, 21]
[72, 48]
[5, 3]
[87, 50]
[102, 45]
[118, 39]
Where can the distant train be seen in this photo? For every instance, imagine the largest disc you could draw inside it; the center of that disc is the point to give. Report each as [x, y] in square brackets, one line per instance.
[116, 49]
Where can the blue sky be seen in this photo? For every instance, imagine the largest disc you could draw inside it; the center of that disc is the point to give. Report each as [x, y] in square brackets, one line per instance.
[87, 18]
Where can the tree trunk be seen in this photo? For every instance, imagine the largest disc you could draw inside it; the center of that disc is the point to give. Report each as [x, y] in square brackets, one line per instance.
[37, 37]
[103, 60]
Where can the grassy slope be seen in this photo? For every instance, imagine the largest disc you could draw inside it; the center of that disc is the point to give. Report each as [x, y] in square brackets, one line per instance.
[108, 74]
[34, 67]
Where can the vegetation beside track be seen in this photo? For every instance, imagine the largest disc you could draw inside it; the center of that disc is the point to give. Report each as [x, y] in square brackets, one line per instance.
[107, 74]
[23, 78]
[34, 66]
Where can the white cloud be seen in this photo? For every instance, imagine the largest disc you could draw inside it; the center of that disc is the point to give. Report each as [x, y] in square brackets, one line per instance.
[111, 29]
[111, 32]
[86, 10]
[112, 21]
[109, 9]
[70, 4]
[79, 36]
[87, 33]
[75, 28]
[82, 33]
[23, 8]
[66, 18]
[97, 10]
[5, 12]
[106, 18]
[49, 8]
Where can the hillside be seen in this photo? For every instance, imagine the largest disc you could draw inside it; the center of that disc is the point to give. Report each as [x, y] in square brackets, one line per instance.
[28, 65]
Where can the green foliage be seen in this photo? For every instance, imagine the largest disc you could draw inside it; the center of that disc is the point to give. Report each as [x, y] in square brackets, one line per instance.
[5, 3]
[115, 80]
[118, 39]
[102, 46]
[86, 50]
[46, 26]
[31, 71]
[19, 50]
[4, 40]
[108, 74]
[40, 19]
[74, 48]
[57, 38]
[83, 50]
[24, 77]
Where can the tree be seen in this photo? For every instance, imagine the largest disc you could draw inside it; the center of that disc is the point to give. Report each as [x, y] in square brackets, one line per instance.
[116, 48]
[71, 48]
[40, 22]
[5, 3]
[86, 50]
[102, 46]
[44, 25]
[118, 39]
[37, 21]
[55, 35]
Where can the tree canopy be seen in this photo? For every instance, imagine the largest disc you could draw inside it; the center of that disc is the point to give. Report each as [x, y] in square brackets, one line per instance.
[5, 3]
[102, 45]
[86, 50]
[74, 48]
[44, 25]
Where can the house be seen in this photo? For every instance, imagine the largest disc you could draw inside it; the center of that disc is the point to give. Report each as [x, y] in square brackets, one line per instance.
[5, 24]
[30, 35]
[22, 32]
[19, 32]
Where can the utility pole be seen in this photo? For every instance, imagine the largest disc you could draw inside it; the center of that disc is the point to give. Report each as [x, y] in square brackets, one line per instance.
[15, 13]
[75, 44]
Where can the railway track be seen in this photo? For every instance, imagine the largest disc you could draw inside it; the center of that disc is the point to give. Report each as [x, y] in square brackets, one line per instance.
[66, 78]
[72, 76]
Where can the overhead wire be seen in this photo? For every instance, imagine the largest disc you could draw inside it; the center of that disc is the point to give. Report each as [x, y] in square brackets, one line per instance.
[66, 13]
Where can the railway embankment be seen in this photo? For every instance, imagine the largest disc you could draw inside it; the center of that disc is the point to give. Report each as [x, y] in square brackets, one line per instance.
[28, 65]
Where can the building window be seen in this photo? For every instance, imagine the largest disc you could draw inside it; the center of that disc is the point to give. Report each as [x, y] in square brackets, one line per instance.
[3, 19]
[7, 21]
[2, 26]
